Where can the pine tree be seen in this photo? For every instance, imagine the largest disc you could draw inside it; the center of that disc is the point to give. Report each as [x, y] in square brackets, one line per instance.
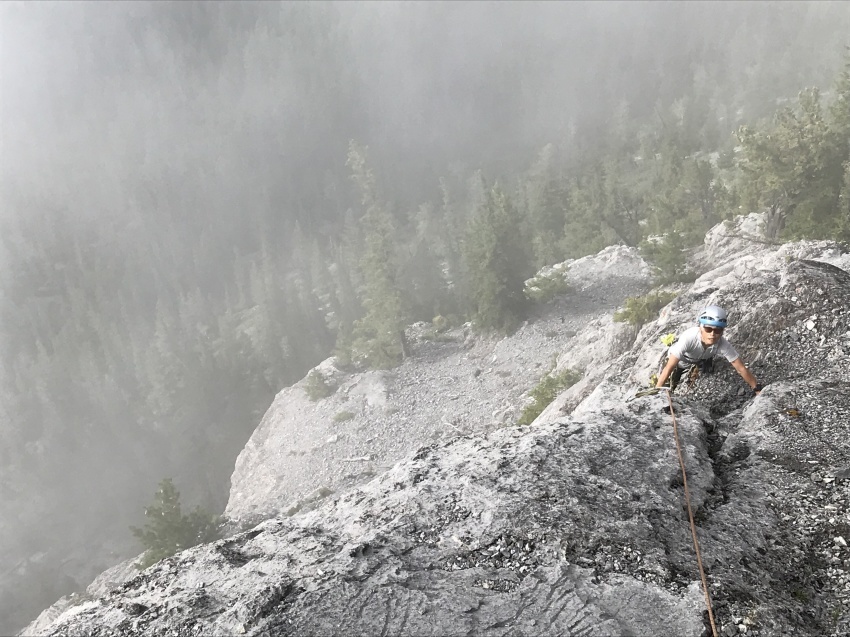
[665, 177]
[497, 262]
[544, 203]
[450, 237]
[168, 530]
[700, 197]
[623, 204]
[843, 231]
[583, 229]
[350, 308]
[378, 336]
[840, 129]
[667, 256]
[424, 284]
[840, 108]
[796, 165]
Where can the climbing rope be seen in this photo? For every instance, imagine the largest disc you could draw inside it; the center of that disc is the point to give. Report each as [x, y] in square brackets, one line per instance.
[691, 515]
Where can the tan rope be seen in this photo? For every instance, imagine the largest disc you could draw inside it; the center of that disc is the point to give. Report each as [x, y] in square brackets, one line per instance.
[691, 516]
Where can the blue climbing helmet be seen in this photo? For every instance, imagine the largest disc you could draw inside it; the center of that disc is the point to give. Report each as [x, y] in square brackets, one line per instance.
[713, 316]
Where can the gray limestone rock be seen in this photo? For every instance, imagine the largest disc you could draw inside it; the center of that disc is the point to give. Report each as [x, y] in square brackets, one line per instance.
[567, 526]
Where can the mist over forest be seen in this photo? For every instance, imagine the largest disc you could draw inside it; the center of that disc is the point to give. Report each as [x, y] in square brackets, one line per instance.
[200, 201]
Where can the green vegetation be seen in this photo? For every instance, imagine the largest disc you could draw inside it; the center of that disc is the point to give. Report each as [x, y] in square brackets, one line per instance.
[542, 288]
[545, 392]
[378, 335]
[342, 416]
[798, 163]
[440, 323]
[497, 261]
[642, 309]
[168, 531]
[181, 350]
[667, 256]
[317, 386]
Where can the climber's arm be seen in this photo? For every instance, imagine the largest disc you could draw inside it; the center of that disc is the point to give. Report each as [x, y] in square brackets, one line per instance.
[668, 369]
[746, 374]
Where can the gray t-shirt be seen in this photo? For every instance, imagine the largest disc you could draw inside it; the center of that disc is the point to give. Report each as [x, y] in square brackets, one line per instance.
[689, 348]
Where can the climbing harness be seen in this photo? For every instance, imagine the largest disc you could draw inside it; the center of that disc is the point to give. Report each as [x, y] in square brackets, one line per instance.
[674, 380]
[691, 515]
[693, 374]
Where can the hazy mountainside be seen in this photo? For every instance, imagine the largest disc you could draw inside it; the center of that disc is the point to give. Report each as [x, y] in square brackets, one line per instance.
[574, 524]
[199, 202]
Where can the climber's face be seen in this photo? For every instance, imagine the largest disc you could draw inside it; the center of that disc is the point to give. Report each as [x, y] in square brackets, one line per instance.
[710, 335]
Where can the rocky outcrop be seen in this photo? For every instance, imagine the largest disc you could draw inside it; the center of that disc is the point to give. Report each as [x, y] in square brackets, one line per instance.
[574, 525]
[728, 241]
[498, 533]
[456, 383]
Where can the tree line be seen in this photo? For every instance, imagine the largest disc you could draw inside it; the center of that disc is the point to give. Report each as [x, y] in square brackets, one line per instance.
[115, 328]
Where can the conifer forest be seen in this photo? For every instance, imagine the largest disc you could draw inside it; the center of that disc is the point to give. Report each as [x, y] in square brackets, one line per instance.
[200, 201]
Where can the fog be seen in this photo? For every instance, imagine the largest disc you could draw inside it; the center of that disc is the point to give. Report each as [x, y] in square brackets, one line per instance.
[156, 156]
[92, 93]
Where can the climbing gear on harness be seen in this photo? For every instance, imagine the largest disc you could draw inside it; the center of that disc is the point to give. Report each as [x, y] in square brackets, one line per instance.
[651, 391]
[693, 375]
[667, 340]
[676, 377]
[691, 516]
[713, 315]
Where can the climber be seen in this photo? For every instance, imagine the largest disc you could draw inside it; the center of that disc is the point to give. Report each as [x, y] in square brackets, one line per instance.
[697, 347]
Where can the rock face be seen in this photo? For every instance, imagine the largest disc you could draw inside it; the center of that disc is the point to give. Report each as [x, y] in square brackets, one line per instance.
[454, 384]
[573, 525]
[493, 533]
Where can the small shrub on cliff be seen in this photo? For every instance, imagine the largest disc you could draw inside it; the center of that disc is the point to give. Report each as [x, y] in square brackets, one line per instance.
[545, 392]
[667, 257]
[642, 309]
[542, 288]
[342, 416]
[168, 531]
[440, 323]
[317, 386]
